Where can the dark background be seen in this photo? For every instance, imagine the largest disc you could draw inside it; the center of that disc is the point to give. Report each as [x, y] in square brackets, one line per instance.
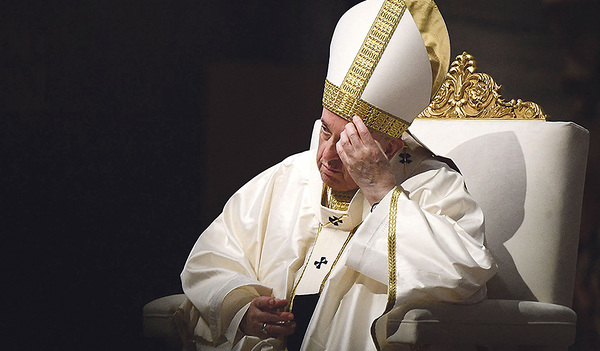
[125, 126]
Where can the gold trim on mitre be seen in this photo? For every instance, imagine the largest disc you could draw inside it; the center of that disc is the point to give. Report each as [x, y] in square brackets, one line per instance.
[373, 46]
[345, 100]
[346, 106]
[434, 32]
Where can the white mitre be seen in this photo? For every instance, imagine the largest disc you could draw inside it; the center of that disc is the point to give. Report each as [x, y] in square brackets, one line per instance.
[387, 59]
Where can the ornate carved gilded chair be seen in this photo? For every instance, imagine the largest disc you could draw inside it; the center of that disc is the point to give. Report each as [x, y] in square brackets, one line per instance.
[527, 174]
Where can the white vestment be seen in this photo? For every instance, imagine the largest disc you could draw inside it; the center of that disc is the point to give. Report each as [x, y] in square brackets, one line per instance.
[262, 239]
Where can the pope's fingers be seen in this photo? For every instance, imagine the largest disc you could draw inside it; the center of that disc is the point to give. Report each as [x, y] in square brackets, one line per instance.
[344, 146]
[274, 318]
[363, 131]
[352, 134]
[278, 329]
[366, 135]
[270, 309]
[262, 302]
[269, 303]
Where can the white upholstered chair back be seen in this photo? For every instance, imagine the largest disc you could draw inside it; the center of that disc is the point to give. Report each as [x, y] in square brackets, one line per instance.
[527, 175]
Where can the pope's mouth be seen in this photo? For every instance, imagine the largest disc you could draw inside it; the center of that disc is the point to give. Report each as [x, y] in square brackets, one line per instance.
[329, 170]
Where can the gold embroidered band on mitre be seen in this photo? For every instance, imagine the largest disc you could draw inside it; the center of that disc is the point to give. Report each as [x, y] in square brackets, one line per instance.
[345, 101]
[346, 106]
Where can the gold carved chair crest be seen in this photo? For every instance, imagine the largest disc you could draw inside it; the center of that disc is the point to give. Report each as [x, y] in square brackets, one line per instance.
[466, 93]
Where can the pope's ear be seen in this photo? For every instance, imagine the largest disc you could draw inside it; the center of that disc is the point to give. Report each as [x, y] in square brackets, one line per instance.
[393, 146]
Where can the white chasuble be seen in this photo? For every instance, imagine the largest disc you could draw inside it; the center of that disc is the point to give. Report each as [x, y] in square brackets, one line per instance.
[336, 228]
[260, 245]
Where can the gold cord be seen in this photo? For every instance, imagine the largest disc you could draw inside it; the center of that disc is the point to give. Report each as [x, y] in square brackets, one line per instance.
[338, 256]
[293, 293]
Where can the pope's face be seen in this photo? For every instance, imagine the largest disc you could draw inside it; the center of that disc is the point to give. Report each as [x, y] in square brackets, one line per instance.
[333, 172]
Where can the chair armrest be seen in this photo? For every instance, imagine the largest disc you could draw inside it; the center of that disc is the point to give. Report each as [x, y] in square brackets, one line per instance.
[490, 322]
[158, 317]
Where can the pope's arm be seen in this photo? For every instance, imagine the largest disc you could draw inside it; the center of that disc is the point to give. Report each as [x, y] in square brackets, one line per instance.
[220, 274]
[435, 223]
[439, 239]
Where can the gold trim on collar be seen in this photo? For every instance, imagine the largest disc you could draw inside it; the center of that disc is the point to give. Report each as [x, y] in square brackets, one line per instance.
[337, 200]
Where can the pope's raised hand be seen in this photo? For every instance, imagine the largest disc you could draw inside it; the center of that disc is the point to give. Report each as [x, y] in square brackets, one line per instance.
[366, 161]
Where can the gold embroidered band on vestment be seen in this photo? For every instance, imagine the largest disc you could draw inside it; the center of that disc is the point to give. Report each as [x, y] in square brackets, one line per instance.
[392, 283]
[345, 100]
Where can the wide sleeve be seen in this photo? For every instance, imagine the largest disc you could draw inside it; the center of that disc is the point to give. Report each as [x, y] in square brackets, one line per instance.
[220, 274]
[438, 234]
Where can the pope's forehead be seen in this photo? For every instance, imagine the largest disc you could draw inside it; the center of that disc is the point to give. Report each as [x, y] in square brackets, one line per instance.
[332, 119]
[336, 124]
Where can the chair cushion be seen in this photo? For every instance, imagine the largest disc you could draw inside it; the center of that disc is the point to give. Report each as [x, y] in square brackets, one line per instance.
[158, 317]
[490, 322]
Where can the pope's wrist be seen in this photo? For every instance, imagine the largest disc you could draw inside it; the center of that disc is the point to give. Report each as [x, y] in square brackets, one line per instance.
[375, 197]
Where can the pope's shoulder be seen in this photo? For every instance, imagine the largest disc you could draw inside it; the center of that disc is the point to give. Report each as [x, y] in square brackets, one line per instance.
[294, 167]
